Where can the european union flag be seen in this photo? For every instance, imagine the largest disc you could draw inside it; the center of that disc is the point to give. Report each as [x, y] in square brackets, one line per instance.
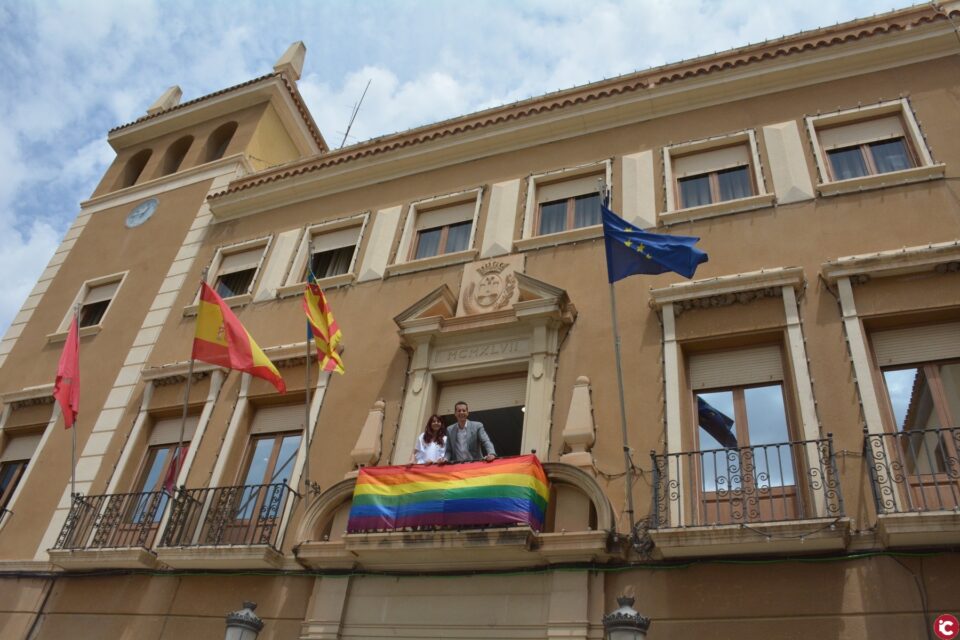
[631, 251]
[717, 424]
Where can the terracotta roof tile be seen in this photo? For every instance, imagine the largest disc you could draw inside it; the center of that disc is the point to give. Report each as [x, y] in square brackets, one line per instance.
[855, 30]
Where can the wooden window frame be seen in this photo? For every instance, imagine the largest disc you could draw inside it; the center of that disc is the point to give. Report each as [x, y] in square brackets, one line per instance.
[278, 437]
[867, 155]
[442, 243]
[570, 220]
[714, 177]
[6, 496]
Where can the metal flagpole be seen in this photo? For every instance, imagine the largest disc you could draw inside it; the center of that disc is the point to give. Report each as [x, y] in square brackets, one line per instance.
[177, 455]
[306, 424]
[605, 197]
[73, 430]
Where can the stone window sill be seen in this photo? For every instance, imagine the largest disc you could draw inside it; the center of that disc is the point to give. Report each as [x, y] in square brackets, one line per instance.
[232, 302]
[332, 282]
[433, 262]
[61, 336]
[718, 209]
[882, 180]
[561, 237]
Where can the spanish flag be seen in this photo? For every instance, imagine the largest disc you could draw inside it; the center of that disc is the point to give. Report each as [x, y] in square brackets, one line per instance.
[220, 339]
[320, 323]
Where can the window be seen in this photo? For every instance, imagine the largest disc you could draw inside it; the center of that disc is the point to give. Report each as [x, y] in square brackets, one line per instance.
[331, 253]
[443, 230]
[921, 375]
[863, 145]
[175, 154]
[219, 140]
[96, 302]
[714, 171]
[13, 463]
[271, 455]
[498, 403]
[133, 169]
[569, 204]
[157, 473]
[743, 449]
[237, 271]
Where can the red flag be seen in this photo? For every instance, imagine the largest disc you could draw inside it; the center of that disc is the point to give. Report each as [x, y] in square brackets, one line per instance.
[67, 387]
[173, 470]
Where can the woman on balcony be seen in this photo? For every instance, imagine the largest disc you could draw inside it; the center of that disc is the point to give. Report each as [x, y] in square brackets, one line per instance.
[431, 446]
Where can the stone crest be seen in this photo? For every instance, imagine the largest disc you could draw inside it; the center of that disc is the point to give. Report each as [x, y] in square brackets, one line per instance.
[489, 285]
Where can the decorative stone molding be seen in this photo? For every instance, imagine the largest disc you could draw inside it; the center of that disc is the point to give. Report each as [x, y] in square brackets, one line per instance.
[489, 285]
[580, 431]
[367, 450]
[40, 394]
[943, 257]
[726, 290]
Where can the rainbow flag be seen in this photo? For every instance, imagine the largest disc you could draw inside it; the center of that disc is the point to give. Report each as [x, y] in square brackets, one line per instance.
[506, 491]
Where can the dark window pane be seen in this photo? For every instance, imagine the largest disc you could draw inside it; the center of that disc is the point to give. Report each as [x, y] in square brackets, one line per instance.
[331, 263]
[236, 283]
[586, 210]
[91, 314]
[694, 191]
[553, 217]
[847, 163]
[734, 183]
[458, 236]
[890, 155]
[10, 473]
[428, 243]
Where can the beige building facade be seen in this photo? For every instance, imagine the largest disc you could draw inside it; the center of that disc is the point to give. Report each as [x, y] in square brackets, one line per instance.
[793, 412]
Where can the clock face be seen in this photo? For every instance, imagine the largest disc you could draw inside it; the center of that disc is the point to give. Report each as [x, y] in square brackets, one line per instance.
[141, 213]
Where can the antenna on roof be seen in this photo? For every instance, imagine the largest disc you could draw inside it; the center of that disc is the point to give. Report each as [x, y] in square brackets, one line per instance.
[353, 116]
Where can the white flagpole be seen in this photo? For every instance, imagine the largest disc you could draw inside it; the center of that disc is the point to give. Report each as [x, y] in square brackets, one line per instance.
[628, 462]
[306, 424]
[73, 429]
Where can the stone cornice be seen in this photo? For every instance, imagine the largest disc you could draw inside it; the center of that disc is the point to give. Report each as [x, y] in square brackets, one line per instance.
[942, 257]
[740, 287]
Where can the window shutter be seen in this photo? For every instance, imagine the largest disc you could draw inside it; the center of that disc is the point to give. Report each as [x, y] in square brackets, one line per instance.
[167, 431]
[753, 365]
[917, 344]
[101, 293]
[488, 394]
[21, 447]
[433, 218]
[240, 261]
[277, 419]
[335, 239]
[861, 132]
[553, 191]
[714, 160]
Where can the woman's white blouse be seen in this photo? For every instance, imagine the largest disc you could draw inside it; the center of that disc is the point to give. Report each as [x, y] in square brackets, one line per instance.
[428, 452]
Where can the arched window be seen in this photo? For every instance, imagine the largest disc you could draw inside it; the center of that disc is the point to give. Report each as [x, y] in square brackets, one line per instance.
[175, 154]
[134, 168]
[219, 141]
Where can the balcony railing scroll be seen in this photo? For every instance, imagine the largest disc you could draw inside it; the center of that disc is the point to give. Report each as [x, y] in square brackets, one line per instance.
[760, 483]
[113, 521]
[241, 515]
[914, 471]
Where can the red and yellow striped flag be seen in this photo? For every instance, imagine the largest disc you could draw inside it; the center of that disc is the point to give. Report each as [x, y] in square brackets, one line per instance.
[220, 339]
[320, 322]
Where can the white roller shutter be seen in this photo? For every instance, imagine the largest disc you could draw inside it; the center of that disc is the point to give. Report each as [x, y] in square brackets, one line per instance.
[330, 240]
[453, 214]
[568, 188]
[288, 417]
[917, 344]
[488, 394]
[240, 261]
[167, 431]
[753, 365]
[21, 447]
[861, 132]
[101, 293]
[715, 160]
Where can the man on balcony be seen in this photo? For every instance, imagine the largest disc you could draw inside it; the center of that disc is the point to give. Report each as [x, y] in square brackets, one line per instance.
[468, 440]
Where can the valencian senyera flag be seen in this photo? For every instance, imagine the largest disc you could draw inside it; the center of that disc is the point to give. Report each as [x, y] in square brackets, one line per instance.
[631, 251]
[506, 491]
[322, 326]
[220, 339]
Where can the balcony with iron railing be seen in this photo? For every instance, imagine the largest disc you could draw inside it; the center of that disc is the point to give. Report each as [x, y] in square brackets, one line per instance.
[227, 527]
[761, 498]
[915, 477]
[116, 530]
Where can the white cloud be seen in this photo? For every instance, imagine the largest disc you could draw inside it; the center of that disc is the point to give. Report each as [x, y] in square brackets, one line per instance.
[75, 68]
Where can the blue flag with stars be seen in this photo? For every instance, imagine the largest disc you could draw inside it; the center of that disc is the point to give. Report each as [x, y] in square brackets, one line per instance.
[631, 251]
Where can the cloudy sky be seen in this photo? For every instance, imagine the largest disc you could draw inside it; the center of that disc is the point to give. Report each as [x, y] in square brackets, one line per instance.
[71, 70]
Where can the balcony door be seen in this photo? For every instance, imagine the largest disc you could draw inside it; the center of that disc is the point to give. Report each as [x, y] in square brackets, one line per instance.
[744, 454]
[921, 375]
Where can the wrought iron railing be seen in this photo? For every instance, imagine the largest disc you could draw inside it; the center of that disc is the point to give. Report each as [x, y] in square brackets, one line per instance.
[120, 520]
[743, 485]
[914, 471]
[243, 515]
